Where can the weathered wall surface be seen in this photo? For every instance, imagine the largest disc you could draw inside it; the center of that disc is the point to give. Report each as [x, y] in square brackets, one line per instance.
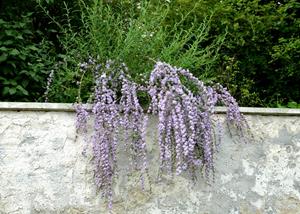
[42, 170]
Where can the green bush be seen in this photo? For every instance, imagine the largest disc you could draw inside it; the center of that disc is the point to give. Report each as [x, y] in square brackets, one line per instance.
[24, 61]
[30, 46]
[136, 34]
[260, 57]
[251, 47]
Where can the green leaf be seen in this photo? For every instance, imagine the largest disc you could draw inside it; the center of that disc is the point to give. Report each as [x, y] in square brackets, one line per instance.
[5, 91]
[8, 42]
[22, 24]
[14, 52]
[28, 14]
[25, 83]
[12, 91]
[23, 72]
[32, 47]
[10, 32]
[23, 57]
[52, 30]
[12, 82]
[24, 91]
[3, 49]
[292, 104]
[3, 57]
[12, 63]
[49, 1]
[26, 31]
[19, 37]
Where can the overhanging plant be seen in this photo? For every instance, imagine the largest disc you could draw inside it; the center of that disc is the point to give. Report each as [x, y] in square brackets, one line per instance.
[187, 136]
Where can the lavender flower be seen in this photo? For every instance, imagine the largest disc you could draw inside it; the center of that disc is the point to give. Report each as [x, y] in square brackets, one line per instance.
[187, 138]
[134, 122]
[178, 114]
[111, 115]
[82, 116]
[49, 82]
[234, 117]
[185, 130]
[105, 138]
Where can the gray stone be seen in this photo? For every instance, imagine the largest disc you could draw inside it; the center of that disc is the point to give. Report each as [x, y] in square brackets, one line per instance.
[42, 169]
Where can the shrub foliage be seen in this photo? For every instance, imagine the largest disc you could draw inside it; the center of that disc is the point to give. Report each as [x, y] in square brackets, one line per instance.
[251, 47]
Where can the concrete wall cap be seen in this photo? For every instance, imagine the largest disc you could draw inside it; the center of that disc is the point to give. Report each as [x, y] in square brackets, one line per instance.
[69, 107]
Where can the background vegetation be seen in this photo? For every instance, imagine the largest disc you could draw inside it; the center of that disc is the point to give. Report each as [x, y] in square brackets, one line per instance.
[250, 46]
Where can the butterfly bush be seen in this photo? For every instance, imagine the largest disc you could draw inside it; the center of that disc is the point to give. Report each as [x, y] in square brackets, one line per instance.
[187, 136]
[112, 114]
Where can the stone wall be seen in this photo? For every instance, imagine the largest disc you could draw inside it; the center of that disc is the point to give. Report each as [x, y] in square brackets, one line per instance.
[42, 169]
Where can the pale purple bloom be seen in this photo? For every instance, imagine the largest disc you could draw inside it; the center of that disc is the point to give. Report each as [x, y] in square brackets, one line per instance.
[185, 128]
[49, 82]
[134, 122]
[111, 114]
[234, 117]
[82, 116]
[187, 136]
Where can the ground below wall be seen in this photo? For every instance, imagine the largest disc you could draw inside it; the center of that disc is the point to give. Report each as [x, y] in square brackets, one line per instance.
[42, 170]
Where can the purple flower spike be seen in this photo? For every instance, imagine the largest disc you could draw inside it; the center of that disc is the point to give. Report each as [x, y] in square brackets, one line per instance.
[234, 117]
[185, 131]
[113, 114]
[82, 117]
[187, 137]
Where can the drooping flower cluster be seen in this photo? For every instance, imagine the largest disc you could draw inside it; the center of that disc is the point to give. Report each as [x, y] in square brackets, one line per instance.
[134, 122]
[183, 125]
[112, 114]
[234, 116]
[105, 137]
[185, 130]
[82, 116]
[187, 135]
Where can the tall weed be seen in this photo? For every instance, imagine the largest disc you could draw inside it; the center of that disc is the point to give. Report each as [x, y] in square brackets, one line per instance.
[137, 34]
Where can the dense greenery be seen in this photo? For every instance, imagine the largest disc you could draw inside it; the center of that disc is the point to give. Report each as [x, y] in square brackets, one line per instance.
[29, 47]
[250, 46]
[260, 59]
[24, 58]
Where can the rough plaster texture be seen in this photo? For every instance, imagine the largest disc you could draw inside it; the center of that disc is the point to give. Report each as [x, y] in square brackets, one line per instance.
[42, 170]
